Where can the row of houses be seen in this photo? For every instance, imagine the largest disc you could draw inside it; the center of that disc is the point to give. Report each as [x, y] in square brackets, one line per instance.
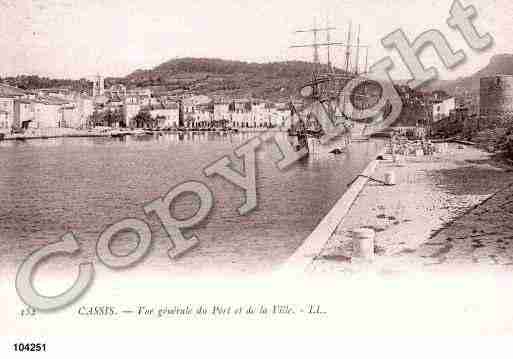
[20, 109]
[120, 107]
[196, 110]
[441, 115]
[422, 111]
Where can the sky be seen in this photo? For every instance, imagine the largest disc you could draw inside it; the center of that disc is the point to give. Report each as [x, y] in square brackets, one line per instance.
[80, 38]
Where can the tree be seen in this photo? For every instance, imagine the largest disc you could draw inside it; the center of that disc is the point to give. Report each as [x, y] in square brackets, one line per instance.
[143, 119]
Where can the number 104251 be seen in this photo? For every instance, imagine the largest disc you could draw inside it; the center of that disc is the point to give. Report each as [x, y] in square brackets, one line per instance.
[29, 347]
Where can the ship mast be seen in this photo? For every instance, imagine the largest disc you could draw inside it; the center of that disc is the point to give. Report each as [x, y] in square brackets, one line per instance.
[328, 40]
[316, 45]
[357, 52]
[366, 60]
[348, 48]
[318, 90]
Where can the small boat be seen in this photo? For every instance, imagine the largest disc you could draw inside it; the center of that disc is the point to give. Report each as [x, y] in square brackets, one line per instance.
[119, 134]
[139, 133]
[338, 151]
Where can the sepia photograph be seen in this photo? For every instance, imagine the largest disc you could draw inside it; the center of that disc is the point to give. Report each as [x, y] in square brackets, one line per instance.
[256, 179]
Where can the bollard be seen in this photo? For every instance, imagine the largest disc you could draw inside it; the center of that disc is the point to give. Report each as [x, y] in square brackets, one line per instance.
[363, 244]
[390, 178]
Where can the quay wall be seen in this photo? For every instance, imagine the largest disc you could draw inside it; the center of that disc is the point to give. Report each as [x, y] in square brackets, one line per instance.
[315, 242]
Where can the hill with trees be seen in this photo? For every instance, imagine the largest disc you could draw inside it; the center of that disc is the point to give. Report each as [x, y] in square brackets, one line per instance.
[228, 78]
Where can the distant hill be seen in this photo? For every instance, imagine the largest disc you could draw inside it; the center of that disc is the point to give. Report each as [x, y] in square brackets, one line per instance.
[499, 64]
[32, 82]
[224, 77]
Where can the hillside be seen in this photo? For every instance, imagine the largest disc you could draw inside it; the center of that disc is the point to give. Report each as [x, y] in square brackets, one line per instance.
[499, 64]
[33, 82]
[228, 78]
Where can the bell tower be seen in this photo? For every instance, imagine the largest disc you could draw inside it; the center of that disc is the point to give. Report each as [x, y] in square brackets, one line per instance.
[98, 86]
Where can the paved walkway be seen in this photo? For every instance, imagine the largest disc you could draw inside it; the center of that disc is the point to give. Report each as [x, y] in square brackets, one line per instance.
[449, 210]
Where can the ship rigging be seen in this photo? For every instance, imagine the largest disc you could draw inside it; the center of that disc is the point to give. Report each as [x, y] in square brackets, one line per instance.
[324, 96]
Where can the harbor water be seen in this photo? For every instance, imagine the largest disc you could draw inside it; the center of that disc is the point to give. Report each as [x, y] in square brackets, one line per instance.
[50, 187]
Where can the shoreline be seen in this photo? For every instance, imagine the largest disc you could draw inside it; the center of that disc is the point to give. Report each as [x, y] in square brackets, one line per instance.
[421, 223]
[114, 133]
[315, 242]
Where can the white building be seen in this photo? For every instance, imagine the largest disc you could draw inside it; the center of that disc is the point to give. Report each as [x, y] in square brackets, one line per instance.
[4, 121]
[8, 94]
[77, 113]
[24, 113]
[442, 109]
[48, 114]
[85, 109]
[130, 110]
[195, 103]
[7, 110]
[221, 111]
[167, 117]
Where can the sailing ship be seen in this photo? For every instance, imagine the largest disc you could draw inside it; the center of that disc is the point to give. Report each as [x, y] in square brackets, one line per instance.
[324, 97]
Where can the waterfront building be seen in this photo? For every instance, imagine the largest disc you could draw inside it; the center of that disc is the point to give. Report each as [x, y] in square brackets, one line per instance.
[167, 117]
[242, 105]
[24, 113]
[442, 108]
[199, 119]
[8, 94]
[76, 113]
[4, 121]
[131, 108]
[221, 110]
[38, 113]
[7, 108]
[69, 117]
[85, 109]
[48, 112]
[33, 110]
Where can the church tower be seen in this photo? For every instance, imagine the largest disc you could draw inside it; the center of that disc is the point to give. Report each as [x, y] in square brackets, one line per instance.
[98, 86]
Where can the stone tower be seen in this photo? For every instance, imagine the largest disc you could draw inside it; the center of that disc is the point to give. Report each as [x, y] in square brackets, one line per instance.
[496, 101]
